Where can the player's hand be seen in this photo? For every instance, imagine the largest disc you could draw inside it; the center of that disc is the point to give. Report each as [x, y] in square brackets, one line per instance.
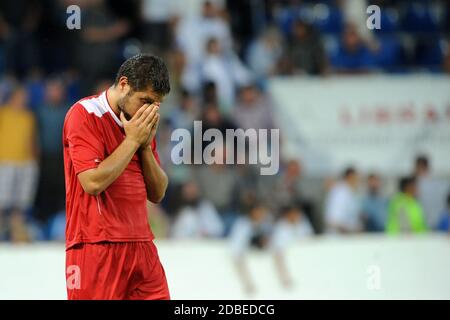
[139, 127]
[148, 143]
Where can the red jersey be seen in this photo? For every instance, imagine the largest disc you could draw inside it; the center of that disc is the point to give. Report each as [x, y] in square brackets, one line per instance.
[92, 131]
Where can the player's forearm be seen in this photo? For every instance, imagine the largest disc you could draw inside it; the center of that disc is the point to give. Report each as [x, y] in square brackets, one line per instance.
[155, 178]
[95, 181]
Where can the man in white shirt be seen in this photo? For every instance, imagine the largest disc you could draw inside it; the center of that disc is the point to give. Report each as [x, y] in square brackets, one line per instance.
[291, 227]
[431, 191]
[342, 206]
[249, 231]
[197, 218]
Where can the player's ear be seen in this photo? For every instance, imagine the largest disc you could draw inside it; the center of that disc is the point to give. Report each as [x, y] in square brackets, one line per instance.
[123, 83]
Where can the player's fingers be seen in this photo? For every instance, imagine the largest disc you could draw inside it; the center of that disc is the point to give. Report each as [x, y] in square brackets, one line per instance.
[140, 111]
[151, 114]
[122, 117]
[154, 121]
[157, 122]
[144, 116]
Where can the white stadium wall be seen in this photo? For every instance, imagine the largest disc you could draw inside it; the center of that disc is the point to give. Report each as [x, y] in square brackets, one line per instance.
[359, 267]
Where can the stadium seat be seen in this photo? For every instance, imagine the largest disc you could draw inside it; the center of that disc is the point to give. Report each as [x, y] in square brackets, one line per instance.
[389, 21]
[389, 53]
[418, 18]
[328, 18]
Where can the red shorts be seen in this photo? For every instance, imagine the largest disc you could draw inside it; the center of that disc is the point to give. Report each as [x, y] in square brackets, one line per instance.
[115, 270]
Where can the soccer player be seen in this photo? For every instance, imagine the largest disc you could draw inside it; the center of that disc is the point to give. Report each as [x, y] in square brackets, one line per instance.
[111, 169]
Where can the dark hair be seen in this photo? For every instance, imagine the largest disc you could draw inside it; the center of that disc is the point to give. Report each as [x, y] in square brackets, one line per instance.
[289, 208]
[372, 176]
[405, 182]
[209, 92]
[348, 172]
[185, 94]
[448, 199]
[423, 161]
[144, 71]
[256, 205]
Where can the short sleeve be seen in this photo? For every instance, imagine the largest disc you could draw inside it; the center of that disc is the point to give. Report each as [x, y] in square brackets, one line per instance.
[83, 140]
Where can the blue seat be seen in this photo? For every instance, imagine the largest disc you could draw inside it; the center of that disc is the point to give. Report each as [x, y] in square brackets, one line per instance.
[418, 18]
[390, 52]
[285, 20]
[389, 20]
[35, 89]
[328, 18]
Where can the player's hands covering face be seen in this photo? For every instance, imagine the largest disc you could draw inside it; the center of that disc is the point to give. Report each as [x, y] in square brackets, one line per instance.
[143, 125]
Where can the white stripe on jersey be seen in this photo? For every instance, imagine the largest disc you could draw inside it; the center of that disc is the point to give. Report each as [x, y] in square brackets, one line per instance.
[108, 107]
[99, 106]
[94, 106]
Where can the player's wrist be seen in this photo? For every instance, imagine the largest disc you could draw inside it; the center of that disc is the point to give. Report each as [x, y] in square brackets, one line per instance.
[146, 148]
[132, 142]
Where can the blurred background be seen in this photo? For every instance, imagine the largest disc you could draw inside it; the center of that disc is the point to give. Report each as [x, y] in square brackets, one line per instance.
[360, 207]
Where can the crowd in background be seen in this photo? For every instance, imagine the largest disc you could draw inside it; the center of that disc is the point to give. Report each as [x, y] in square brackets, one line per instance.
[219, 60]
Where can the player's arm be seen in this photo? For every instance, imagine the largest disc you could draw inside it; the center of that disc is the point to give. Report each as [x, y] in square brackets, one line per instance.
[95, 181]
[155, 178]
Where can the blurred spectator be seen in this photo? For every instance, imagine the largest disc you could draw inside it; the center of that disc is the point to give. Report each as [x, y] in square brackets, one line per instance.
[264, 53]
[179, 174]
[287, 186]
[197, 217]
[19, 22]
[431, 191]
[306, 52]
[209, 94]
[226, 71]
[288, 189]
[254, 110]
[246, 18]
[207, 74]
[7, 84]
[353, 54]
[246, 191]
[35, 87]
[292, 226]
[193, 33]
[50, 196]
[374, 205]
[343, 210]
[217, 183]
[187, 111]
[446, 63]
[18, 169]
[157, 16]
[405, 213]
[444, 222]
[180, 76]
[213, 119]
[99, 38]
[249, 231]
